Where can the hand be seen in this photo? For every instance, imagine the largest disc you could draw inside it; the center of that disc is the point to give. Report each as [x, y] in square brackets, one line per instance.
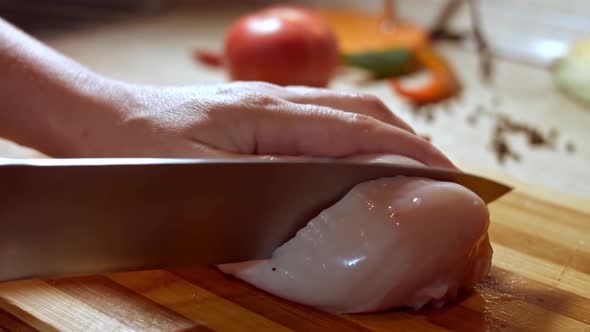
[247, 119]
[62, 109]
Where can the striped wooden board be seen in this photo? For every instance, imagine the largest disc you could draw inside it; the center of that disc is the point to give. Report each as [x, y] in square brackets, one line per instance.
[540, 282]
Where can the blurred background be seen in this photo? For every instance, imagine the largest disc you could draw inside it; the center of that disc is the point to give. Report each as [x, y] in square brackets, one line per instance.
[529, 30]
[523, 109]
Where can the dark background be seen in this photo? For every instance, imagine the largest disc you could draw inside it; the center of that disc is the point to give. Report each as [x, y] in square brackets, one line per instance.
[43, 15]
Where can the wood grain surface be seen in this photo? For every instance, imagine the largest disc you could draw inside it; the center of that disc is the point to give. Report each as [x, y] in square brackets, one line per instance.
[540, 281]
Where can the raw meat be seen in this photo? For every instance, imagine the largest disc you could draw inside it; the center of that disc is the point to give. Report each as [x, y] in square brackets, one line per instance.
[392, 242]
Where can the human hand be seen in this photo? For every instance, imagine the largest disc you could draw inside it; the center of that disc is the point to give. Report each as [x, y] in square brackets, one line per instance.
[59, 107]
[248, 119]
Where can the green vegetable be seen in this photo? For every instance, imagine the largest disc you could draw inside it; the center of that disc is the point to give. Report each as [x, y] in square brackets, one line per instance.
[382, 64]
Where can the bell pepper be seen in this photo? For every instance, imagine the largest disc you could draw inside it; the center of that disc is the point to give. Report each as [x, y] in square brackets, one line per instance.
[442, 85]
[383, 64]
[369, 42]
[390, 49]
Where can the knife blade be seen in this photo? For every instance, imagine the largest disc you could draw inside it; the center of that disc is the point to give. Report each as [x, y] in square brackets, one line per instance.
[63, 217]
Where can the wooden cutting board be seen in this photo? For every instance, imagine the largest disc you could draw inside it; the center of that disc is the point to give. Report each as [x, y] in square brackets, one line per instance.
[540, 282]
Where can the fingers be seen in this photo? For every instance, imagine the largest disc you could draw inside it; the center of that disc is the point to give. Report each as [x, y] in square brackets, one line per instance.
[200, 150]
[359, 103]
[295, 129]
[262, 119]
[348, 102]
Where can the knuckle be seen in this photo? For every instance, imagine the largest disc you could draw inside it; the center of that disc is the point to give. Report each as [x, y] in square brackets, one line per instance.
[242, 87]
[314, 112]
[230, 89]
[266, 85]
[366, 97]
[362, 120]
[259, 100]
[372, 101]
[306, 90]
[376, 107]
[259, 86]
[311, 110]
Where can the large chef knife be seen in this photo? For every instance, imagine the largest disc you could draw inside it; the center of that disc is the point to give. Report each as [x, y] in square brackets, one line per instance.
[80, 216]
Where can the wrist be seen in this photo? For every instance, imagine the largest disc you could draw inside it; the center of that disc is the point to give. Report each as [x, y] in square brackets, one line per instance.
[91, 112]
[50, 102]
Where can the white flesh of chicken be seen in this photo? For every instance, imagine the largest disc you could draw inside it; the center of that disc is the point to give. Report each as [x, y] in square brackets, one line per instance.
[392, 242]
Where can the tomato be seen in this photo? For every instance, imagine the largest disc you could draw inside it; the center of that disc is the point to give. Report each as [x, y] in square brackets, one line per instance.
[284, 45]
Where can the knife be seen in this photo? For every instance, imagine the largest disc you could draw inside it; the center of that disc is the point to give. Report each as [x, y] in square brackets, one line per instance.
[63, 217]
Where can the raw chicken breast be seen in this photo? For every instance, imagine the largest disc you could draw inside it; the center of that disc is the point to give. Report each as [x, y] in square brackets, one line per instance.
[392, 242]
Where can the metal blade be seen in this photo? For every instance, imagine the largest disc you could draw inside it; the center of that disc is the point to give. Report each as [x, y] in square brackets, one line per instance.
[82, 216]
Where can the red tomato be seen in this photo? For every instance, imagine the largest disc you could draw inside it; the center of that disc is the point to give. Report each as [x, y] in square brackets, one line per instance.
[282, 45]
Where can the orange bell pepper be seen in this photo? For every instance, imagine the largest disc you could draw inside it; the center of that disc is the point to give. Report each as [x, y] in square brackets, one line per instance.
[359, 32]
[442, 85]
[362, 34]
